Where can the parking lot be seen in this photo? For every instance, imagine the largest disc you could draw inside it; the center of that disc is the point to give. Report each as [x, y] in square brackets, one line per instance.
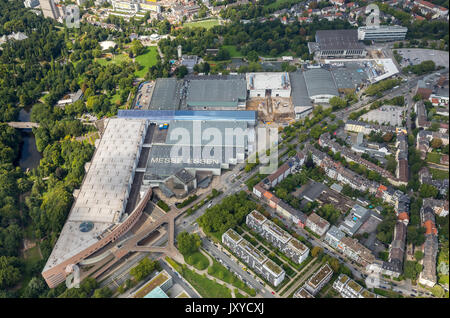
[417, 56]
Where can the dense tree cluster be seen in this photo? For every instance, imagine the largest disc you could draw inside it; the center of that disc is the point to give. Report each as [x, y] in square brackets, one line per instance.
[230, 212]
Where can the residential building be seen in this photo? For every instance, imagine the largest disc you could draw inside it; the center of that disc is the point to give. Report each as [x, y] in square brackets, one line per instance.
[253, 257]
[319, 279]
[354, 220]
[348, 288]
[317, 224]
[290, 246]
[302, 293]
[430, 248]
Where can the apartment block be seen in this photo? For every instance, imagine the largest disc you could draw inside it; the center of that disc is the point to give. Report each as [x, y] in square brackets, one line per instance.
[317, 224]
[348, 288]
[253, 258]
[319, 279]
[290, 246]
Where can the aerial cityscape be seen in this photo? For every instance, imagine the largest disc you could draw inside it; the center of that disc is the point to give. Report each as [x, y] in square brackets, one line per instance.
[262, 149]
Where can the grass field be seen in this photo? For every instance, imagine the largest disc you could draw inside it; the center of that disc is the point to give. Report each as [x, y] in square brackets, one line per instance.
[277, 2]
[198, 260]
[207, 24]
[434, 157]
[232, 50]
[147, 59]
[439, 174]
[220, 272]
[206, 287]
[117, 59]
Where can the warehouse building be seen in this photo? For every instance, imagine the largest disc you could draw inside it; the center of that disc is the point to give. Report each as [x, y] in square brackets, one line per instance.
[98, 214]
[166, 94]
[337, 44]
[320, 85]
[216, 92]
[273, 84]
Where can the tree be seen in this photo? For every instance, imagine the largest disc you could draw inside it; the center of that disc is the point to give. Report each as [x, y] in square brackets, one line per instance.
[143, 269]
[436, 143]
[316, 251]
[9, 271]
[338, 103]
[412, 269]
[438, 291]
[104, 292]
[181, 71]
[416, 235]
[428, 191]
[137, 48]
[188, 243]
[34, 288]
[252, 56]
[418, 255]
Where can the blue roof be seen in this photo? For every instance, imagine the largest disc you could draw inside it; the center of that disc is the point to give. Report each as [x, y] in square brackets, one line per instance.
[167, 115]
[156, 293]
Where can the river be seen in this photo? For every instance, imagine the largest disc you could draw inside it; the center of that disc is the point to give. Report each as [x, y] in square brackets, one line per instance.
[29, 155]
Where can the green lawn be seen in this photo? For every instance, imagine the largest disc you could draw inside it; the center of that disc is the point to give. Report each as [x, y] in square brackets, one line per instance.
[434, 157]
[232, 50]
[206, 287]
[277, 2]
[117, 59]
[439, 174]
[198, 260]
[207, 24]
[147, 59]
[220, 272]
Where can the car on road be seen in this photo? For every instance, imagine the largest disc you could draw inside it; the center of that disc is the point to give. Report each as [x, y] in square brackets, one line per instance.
[273, 293]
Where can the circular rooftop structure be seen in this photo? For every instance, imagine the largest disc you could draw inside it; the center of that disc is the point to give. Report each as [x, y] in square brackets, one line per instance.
[86, 226]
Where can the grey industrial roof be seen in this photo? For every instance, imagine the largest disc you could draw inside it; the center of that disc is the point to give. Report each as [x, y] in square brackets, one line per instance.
[349, 76]
[248, 116]
[338, 39]
[216, 92]
[163, 162]
[227, 129]
[299, 91]
[320, 82]
[103, 195]
[166, 94]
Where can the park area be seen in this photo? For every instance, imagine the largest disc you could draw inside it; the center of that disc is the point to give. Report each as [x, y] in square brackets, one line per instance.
[232, 50]
[207, 24]
[146, 60]
[434, 157]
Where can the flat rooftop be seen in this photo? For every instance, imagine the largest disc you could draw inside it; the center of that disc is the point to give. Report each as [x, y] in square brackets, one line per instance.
[251, 250]
[166, 94]
[153, 283]
[103, 195]
[268, 80]
[277, 231]
[320, 275]
[258, 216]
[216, 92]
[233, 235]
[338, 40]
